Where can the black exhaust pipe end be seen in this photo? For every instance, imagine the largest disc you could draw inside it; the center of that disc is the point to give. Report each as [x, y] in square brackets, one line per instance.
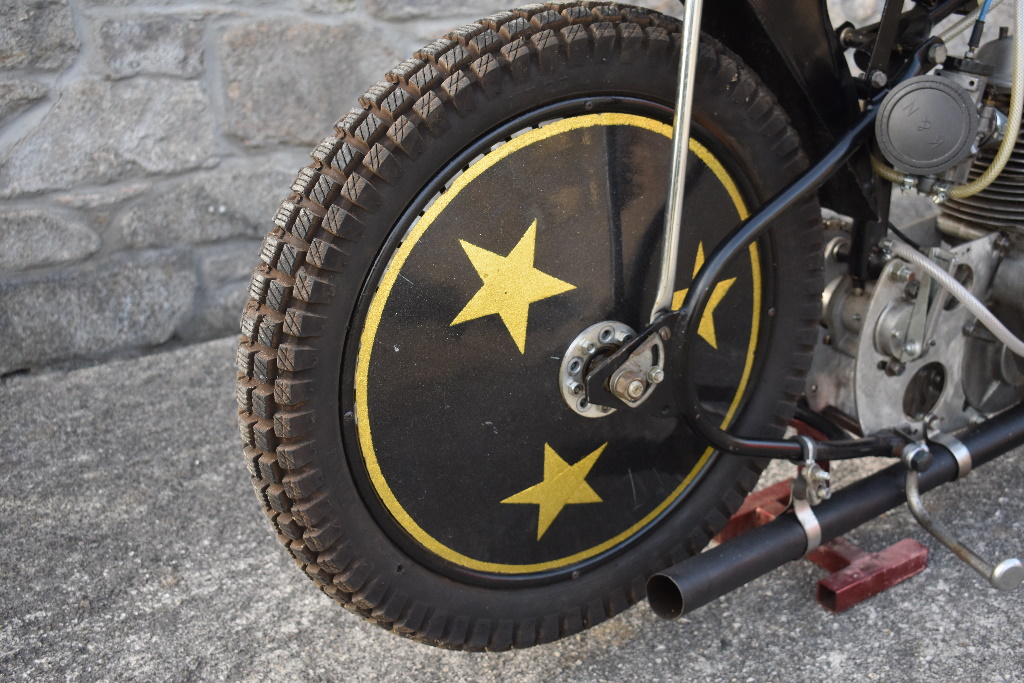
[695, 582]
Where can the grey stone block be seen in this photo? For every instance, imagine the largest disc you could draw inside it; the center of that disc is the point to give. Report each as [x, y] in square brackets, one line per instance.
[38, 34]
[38, 238]
[129, 301]
[16, 95]
[207, 207]
[232, 262]
[401, 10]
[288, 82]
[100, 131]
[220, 313]
[150, 44]
[224, 270]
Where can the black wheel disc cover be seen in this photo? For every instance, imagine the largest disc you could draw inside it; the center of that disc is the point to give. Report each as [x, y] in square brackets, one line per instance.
[462, 445]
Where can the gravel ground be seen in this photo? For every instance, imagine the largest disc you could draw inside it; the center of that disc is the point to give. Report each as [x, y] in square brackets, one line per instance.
[135, 550]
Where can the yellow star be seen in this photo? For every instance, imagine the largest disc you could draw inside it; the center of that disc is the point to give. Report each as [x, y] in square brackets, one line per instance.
[511, 284]
[563, 484]
[707, 321]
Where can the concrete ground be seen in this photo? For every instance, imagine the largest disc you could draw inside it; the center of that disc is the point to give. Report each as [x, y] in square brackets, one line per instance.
[134, 549]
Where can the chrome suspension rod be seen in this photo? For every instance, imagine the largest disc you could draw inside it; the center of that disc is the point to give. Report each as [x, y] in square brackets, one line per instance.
[680, 149]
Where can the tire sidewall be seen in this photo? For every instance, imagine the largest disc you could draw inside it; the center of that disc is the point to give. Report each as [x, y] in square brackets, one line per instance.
[653, 81]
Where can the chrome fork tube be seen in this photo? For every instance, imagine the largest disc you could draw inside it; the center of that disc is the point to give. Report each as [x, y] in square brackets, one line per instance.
[680, 149]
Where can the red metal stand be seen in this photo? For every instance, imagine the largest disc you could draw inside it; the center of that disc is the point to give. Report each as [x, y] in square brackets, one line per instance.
[856, 574]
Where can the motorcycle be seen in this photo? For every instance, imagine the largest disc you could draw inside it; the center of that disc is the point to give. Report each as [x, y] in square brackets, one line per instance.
[514, 353]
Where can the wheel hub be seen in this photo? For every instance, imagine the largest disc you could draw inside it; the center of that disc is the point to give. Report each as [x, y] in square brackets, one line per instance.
[595, 341]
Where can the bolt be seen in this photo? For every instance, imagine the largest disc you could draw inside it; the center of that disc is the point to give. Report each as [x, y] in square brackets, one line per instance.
[911, 348]
[576, 388]
[912, 289]
[937, 54]
[589, 347]
[896, 334]
[918, 458]
[635, 389]
[878, 79]
[827, 341]
[655, 375]
[902, 274]
[894, 368]
[968, 329]
[814, 388]
[665, 333]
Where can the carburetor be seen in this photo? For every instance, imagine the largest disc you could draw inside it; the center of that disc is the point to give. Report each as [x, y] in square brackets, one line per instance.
[929, 127]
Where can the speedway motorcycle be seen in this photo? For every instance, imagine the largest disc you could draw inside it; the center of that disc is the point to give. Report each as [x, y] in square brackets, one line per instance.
[530, 325]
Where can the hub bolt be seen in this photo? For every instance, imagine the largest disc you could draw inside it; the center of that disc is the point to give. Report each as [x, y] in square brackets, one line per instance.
[576, 388]
[635, 389]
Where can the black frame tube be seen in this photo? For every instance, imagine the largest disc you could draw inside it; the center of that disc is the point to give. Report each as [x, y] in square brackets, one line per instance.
[746, 232]
[703, 285]
[699, 580]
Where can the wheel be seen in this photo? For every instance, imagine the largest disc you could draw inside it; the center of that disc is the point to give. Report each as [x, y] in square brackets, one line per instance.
[400, 383]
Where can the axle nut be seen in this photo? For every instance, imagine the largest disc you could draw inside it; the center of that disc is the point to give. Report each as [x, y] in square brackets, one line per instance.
[635, 389]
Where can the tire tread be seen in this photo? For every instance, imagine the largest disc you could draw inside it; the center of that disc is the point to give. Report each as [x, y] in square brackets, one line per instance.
[277, 370]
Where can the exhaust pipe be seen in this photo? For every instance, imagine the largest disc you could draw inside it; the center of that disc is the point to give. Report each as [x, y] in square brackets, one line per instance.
[684, 587]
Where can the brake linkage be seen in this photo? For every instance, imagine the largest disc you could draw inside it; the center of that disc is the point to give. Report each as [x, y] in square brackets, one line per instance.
[673, 395]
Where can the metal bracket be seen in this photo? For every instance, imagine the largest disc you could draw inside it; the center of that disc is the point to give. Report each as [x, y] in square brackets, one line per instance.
[635, 380]
[809, 488]
[1006, 575]
[813, 484]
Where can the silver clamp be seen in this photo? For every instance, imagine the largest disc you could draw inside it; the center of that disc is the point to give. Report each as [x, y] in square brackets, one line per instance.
[959, 451]
[809, 521]
[809, 488]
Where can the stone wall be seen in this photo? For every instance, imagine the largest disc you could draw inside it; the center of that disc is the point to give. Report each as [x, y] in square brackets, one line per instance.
[144, 145]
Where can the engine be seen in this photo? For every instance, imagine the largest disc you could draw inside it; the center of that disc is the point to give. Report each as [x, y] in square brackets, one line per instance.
[899, 351]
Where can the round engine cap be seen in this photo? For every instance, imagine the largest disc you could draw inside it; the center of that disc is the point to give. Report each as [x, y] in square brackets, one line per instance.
[927, 125]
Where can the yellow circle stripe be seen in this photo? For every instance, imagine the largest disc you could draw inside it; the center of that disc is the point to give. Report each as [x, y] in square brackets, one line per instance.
[380, 299]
